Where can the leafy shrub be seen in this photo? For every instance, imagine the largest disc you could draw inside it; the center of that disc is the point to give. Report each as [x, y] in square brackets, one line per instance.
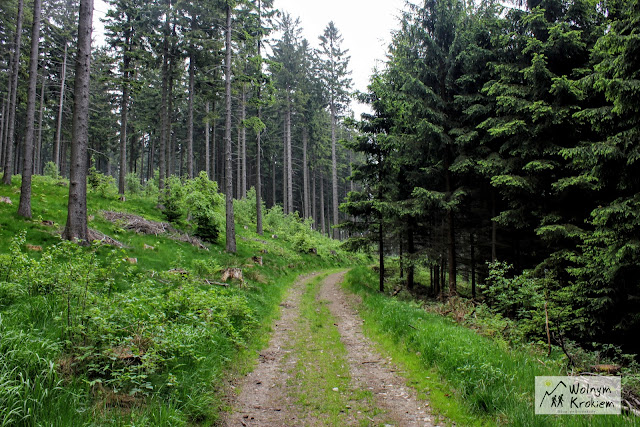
[204, 204]
[173, 199]
[132, 183]
[105, 185]
[205, 267]
[51, 170]
[274, 219]
[245, 209]
[151, 186]
[529, 300]
[303, 242]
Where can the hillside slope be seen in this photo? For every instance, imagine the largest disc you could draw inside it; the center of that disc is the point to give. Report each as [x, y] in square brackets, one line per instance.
[139, 331]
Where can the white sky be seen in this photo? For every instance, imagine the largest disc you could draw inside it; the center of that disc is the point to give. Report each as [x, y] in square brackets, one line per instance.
[365, 25]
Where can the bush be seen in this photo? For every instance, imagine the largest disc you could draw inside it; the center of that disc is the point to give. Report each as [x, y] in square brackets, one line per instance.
[205, 268]
[303, 242]
[151, 187]
[245, 209]
[204, 204]
[51, 170]
[524, 297]
[105, 185]
[173, 199]
[132, 183]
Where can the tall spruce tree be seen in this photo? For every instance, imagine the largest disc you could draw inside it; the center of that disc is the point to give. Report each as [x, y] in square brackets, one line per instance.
[76, 227]
[334, 69]
[24, 209]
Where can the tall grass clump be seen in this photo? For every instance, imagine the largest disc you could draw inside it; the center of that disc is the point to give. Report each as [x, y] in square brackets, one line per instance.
[489, 378]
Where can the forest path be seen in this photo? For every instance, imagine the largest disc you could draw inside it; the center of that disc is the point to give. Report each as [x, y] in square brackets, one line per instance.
[319, 368]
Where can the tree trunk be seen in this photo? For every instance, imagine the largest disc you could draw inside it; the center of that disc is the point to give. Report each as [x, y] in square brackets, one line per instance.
[57, 145]
[381, 251]
[289, 161]
[259, 172]
[151, 159]
[18, 153]
[243, 144]
[76, 228]
[314, 200]
[473, 265]
[164, 112]
[192, 73]
[443, 271]
[171, 152]
[273, 182]
[24, 208]
[305, 174]
[124, 106]
[259, 142]
[142, 138]
[334, 168]
[181, 162]
[323, 225]
[285, 203]
[15, 66]
[494, 227]
[3, 132]
[214, 152]
[38, 154]
[451, 252]
[207, 140]
[401, 256]
[410, 252]
[238, 163]
[230, 221]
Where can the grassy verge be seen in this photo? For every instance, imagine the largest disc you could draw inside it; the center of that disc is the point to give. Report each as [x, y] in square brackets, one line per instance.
[485, 380]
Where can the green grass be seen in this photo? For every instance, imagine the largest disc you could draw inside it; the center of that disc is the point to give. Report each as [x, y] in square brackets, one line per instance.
[485, 379]
[189, 336]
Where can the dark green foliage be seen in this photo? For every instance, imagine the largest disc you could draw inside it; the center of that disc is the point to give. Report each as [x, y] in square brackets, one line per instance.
[514, 131]
[197, 199]
[101, 183]
[173, 199]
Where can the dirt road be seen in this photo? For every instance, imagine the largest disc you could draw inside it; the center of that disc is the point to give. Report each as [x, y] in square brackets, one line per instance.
[319, 369]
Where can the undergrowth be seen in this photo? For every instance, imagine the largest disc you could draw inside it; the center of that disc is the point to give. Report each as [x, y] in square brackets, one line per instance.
[138, 335]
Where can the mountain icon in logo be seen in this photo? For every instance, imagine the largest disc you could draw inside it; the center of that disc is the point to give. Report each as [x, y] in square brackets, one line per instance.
[552, 393]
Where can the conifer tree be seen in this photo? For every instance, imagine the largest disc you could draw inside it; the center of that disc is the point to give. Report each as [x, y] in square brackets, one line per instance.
[24, 209]
[334, 70]
[13, 93]
[76, 227]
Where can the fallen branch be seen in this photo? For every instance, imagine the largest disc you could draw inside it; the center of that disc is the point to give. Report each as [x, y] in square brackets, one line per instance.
[630, 408]
[226, 285]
